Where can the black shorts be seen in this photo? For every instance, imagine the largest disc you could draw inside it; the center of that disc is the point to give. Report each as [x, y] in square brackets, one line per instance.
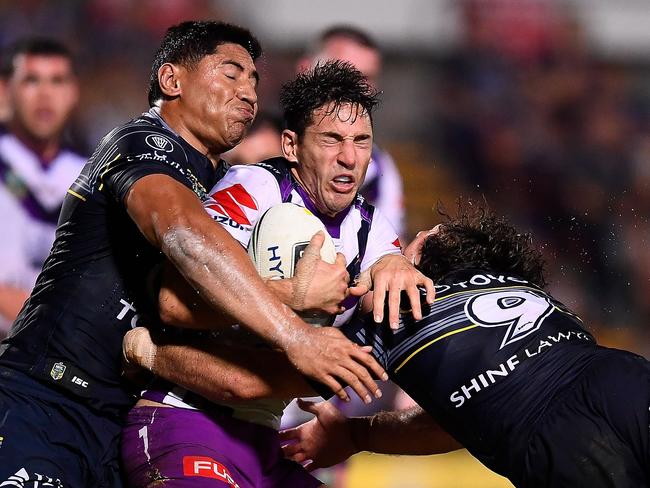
[595, 434]
[49, 440]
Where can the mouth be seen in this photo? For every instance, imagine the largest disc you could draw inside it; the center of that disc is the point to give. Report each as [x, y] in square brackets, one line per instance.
[44, 113]
[247, 114]
[344, 184]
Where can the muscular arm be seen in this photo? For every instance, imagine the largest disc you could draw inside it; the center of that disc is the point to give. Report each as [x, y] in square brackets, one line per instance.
[324, 286]
[217, 372]
[330, 438]
[172, 218]
[411, 431]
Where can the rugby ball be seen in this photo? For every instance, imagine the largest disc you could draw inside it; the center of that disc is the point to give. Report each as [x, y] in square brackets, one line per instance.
[279, 239]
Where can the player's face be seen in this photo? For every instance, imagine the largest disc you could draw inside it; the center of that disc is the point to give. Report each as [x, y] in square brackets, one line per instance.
[42, 94]
[365, 59]
[219, 97]
[333, 155]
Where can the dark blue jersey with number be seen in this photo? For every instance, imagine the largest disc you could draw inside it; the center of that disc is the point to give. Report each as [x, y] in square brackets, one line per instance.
[486, 359]
[94, 285]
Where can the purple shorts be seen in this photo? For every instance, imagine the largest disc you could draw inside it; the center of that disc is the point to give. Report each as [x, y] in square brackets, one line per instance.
[188, 448]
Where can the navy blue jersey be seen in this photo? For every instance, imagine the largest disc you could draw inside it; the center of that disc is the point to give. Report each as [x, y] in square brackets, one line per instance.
[486, 359]
[94, 285]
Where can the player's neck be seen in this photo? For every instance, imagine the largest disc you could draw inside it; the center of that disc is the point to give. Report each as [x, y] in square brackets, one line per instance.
[45, 149]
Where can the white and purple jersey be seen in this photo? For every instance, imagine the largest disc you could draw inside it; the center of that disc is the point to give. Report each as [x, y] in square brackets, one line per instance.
[237, 201]
[31, 194]
[361, 233]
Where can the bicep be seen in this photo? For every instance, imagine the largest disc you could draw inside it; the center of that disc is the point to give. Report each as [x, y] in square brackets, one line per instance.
[157, 203]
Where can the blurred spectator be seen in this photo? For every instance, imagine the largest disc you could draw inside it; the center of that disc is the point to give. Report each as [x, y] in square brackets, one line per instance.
[552, 135]
[383, 184]
[36, 168]
[261, 142]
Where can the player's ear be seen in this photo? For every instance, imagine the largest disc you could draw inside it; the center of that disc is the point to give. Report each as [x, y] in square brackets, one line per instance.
[290, 145]
[169, 79]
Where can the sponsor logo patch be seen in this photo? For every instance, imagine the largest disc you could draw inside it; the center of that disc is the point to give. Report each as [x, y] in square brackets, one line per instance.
[159, 143]
[206, 467]
[57, 372]
[231, 201]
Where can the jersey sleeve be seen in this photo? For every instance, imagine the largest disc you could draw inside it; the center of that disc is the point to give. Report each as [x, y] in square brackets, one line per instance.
[137, 152]
[240, 198]
[382, 240]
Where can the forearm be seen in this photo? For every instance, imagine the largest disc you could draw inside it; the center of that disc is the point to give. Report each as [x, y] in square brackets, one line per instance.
[410, 432]
[225, 278]
[218, 373]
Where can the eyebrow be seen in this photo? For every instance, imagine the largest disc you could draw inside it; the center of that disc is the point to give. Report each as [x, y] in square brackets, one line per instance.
[238, 65]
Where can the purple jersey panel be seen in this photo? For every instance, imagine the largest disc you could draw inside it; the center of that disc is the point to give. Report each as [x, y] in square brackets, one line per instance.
[182, 448]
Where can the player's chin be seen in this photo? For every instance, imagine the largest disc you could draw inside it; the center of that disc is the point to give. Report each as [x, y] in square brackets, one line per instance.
[236, 133]
[341, 203]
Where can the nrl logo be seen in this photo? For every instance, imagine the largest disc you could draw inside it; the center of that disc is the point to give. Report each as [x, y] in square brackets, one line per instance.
[58, 370]
[159, 143]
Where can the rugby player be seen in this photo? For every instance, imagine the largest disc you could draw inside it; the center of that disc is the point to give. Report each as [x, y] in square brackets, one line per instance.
[505, 370]
[138, 200]
[36, 166]
[327, 147]
[383, 184]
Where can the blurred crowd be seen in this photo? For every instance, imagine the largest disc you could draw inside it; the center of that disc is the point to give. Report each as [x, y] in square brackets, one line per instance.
[558, 139]
[521, 112]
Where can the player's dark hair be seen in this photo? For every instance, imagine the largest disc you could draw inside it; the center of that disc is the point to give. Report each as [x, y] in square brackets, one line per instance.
[348, 32]
[332, 82]
[187, 43]
[477, 239]
[41, 46]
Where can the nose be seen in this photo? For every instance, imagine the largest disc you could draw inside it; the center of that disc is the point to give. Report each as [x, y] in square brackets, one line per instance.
[347, 155]
[248, 93]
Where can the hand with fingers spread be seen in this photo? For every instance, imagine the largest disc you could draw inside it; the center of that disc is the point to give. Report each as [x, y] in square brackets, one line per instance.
[322, 442]
[327, 356]
[392, 275]
[317, 285]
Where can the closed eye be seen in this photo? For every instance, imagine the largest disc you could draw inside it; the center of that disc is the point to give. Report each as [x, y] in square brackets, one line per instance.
[330, 140]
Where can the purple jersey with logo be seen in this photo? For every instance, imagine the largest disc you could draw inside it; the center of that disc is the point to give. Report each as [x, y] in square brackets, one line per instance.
[188, 448]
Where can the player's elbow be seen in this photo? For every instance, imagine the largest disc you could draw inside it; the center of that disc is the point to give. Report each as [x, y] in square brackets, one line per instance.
[180, 237]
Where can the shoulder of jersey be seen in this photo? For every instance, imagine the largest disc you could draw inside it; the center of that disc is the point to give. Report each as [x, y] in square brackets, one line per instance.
[140, 136]
[277, 166]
